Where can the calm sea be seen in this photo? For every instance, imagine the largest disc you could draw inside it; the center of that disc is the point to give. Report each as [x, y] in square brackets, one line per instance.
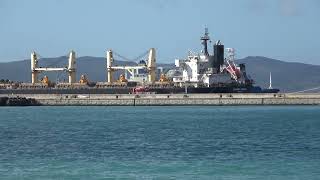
[245, 142]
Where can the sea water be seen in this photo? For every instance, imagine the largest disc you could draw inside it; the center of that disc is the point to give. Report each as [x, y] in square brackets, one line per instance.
[243, 142]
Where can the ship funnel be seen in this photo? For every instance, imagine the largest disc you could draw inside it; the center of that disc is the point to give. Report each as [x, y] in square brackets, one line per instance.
[218, 58]
[152, 65]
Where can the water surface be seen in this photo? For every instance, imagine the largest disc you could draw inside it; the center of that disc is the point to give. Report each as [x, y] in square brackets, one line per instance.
[244, 142]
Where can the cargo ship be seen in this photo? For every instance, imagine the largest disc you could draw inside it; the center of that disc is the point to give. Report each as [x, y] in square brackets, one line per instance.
[201, 72]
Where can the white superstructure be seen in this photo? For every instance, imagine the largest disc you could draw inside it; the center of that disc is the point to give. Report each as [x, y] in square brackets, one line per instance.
[194, 69]
[206, 70]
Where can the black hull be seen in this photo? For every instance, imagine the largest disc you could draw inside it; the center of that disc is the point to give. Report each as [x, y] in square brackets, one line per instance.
[213, 90]
[169, 90]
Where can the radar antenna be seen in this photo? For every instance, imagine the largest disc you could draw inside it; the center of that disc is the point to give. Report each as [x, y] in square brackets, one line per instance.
[205, 40]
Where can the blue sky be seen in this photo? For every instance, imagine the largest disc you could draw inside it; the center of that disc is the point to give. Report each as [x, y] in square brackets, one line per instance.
[283, 29]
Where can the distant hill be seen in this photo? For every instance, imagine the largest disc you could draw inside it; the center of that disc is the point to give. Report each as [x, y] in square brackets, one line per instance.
[93, 67]
[287, 76]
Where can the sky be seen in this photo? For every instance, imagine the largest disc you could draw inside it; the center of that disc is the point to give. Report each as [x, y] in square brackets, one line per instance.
[282, 29]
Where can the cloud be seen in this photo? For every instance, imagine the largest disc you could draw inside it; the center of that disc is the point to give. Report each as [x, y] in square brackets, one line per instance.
[290, 8]
[163, 4]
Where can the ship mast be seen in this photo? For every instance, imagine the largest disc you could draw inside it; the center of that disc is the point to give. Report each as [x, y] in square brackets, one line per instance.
[270, 82]
[205, 40]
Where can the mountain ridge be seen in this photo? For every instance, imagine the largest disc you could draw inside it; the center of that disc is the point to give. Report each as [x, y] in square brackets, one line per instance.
[287, 76]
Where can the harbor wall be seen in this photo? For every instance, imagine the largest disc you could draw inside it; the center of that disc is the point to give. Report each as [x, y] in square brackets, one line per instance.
[173, 99]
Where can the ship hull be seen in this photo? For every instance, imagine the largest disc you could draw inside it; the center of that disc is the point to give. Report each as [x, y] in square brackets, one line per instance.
[168, 90]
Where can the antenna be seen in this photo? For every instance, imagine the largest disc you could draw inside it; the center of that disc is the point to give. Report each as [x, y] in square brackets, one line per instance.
[231, 53]
[206, 31]
[205, 38]
[270, 83]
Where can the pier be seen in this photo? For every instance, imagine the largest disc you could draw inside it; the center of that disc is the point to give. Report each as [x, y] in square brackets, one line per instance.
[168, 99]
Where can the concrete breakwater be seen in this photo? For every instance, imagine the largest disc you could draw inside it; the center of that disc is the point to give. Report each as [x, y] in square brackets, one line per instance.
[172, 99]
